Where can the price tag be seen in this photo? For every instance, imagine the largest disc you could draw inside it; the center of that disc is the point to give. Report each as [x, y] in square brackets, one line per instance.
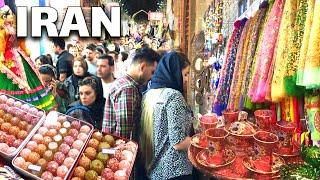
[108, 151]
[34, 167]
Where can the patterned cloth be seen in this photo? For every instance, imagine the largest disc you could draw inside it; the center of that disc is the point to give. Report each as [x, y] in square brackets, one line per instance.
[172, 121]
[122, 108]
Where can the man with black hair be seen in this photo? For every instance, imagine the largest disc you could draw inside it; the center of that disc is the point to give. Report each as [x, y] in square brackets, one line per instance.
[123, 102]
[105, 70]
[64, 62]
[90, 57]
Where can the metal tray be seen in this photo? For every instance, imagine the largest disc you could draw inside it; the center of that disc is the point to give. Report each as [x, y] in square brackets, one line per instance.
[116, 137]
[31, 133]
[53, 116]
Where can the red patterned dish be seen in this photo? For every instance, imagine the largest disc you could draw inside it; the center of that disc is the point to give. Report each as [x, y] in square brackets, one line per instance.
[224, 158]
[261, 165]
[199, 141]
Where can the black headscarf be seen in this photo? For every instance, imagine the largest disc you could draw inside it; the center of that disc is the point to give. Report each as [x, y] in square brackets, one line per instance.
[168, 73]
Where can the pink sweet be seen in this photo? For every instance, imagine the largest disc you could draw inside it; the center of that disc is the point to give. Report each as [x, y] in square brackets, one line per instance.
[77, 144]
[85, 129]
[42, 130]
[68, 140]
[34, 119]
[4, 106]
[68, 162]
[32, 145]
[40, 113]
[62, 171]
[57, 125]
[64, 148]
[10, 102]
[127, 155]
[17, 104]
[120, 175]
[124, 165]
[10, 139]
[52, 166]
[28, 117]
[82, 137]
[3, 98]
[73, 153]
[19, 161]
[47, 175]
[33, 110]
[73, 133]
[59, 157]
[62, 119]
[25, 107]
[38, 138]
[76, 125]
[17, 143]
[25, 153]
[11, 150]
[108, 174]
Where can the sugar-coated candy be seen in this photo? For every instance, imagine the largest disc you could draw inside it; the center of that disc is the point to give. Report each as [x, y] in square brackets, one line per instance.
[64, 148]
[43, 130]
[77, 144]
[53, 146]
[51, 132]
[79, 172]
[62, 119]
[59, 157]
[48, 155]
[90, 152]
[93, 143]
[10, 150]
[47, 175]
[25, 153]
[82, 137]
[68, 140]
[10, 101]
[17, 143]
[22, 134]
[10, 139]
[19, 161]
[33, 157]
[38, 138]
[62, 171]
[32, 145]
[73, 153]
[25, 107]
[73, 133]
[15, 121]
[52, 167]
[3, 98]
[76, 125]
[85, 129]
[63, 131]
[68, 162]
[22, 125]
[41, 149]
[66, 124]
[120, 175]
[107, 174]
[47, 140]
[85, 162]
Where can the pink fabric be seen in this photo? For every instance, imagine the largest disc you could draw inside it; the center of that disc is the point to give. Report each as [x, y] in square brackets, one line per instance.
[2, 3]
[257, 91]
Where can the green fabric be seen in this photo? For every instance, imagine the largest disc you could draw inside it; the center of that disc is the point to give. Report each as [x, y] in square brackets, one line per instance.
[46, 102]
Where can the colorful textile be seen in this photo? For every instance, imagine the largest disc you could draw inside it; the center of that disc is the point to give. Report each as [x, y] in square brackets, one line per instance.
[294, 53]
[254, 45]
[221, 100]
[312, 64]
[122, 108]
[313, 110]
[305, 43]
[239, 68]
[257, 90]
[285, 33]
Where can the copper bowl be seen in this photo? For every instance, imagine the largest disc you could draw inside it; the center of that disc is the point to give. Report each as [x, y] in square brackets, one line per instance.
[208, 121]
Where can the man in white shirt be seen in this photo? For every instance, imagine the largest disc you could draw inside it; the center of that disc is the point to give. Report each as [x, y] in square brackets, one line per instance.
[91, 58]
[105, 70]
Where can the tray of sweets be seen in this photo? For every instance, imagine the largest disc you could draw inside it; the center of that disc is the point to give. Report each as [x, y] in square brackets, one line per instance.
[18, 123]
[107, 157]
[54, 149]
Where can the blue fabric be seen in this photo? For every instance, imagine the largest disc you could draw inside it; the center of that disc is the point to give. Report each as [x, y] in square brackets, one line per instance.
[168, 73]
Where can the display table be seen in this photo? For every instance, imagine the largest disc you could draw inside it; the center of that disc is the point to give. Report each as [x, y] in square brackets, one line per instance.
[235, 170]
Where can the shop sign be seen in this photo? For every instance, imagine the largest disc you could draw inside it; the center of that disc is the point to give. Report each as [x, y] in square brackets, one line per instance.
[155, 16]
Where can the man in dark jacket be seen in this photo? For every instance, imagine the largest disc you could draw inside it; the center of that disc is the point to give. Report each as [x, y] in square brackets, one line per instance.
[64, 62]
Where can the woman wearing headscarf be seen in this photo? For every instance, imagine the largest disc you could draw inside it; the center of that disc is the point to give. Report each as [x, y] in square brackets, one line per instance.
[90, 106]
[166, 121]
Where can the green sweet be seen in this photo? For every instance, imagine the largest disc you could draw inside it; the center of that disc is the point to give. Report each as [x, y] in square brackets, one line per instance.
[103, 157]
[97, 166]
[91, 175]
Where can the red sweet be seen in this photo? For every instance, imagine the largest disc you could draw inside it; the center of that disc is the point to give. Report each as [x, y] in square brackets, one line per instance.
[76, 125]
[22, 125]
[5, 126]
[108, 174]
[52, 167]
[59, 157]
[113, 164]
[17, 143]
[73, 133]
[64, 148]
[47, 175]
[10, 140]
[68, 140]
[120, 175]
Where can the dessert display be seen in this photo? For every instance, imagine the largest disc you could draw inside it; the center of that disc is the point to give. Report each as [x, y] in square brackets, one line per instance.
[17, 120]
[106, 157]
[52, 152]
